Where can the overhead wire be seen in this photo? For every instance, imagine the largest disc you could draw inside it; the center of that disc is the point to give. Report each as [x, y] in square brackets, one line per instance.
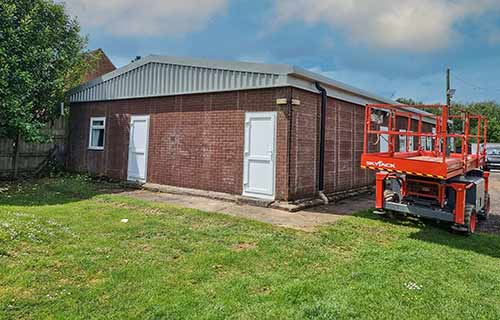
[472, 85]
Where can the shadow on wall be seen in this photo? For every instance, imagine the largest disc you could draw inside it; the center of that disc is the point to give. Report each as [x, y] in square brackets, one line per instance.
[53, 191]
[118, 147]
[430, 231]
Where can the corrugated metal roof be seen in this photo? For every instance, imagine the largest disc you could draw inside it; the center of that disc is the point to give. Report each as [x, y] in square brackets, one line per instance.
[161, 76]
[155, 76]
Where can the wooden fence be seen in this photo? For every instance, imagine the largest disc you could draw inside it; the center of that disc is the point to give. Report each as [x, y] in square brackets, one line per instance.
[33, 155]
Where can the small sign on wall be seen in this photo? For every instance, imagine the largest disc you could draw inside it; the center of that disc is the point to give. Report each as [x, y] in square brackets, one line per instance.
[295, 102]
[281, 101]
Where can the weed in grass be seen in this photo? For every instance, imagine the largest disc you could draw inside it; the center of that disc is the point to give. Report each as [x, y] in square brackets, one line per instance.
[27, 227]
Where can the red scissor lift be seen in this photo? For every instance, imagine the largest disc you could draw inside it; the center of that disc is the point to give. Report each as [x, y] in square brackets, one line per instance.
[431, 180]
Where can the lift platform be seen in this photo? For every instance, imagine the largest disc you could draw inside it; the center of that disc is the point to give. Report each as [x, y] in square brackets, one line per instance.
[425, 164]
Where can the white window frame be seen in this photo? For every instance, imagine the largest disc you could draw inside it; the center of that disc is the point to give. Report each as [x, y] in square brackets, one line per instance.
[433, 139]
[423, 143]
[426, 143]
[92, 127]
[384, 140]
[402, 141]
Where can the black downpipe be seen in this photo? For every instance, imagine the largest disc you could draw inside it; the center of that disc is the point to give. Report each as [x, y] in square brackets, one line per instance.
[290, 129]
[321, 178]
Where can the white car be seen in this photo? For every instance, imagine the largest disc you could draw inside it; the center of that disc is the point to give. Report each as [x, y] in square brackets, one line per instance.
[492, 158]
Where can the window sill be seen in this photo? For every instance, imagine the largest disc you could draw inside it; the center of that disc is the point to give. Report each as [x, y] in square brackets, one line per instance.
[96, 148]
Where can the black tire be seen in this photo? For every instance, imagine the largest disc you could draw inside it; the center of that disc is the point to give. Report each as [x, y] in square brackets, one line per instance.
[470, 219]
[485, 213]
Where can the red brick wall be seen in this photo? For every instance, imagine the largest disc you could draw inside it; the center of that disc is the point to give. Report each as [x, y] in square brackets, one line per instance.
[304, 146]
[99, 64]
[343, 146]
[195, 141]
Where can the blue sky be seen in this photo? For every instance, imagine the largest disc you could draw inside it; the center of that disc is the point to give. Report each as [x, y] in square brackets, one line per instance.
[395, 48]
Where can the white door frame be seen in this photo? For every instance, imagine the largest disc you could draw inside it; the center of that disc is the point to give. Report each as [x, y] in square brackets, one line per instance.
[273, 115]
[146, 149]
[384, 139]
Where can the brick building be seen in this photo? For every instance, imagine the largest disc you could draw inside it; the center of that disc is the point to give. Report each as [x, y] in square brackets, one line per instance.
[241, 128]
[99, 64]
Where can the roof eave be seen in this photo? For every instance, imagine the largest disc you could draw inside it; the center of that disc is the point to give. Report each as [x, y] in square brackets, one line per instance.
[312, 76]
[300, 72]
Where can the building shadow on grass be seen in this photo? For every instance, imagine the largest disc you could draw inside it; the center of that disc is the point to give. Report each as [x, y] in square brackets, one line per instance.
[54, 191]
[483, 242]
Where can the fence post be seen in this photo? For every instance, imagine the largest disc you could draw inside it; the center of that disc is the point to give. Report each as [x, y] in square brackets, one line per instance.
[15, 156]
[18, 157]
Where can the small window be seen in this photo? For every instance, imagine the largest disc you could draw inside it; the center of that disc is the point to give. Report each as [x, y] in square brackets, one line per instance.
[423, 143]
[426, 143]
[402, 141]
[97, 127]
[384, 140]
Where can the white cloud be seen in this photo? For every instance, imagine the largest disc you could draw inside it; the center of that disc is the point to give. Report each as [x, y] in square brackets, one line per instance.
[413, 25]
[146, 17]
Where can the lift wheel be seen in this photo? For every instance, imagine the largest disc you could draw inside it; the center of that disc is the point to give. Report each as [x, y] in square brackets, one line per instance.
[470, 220]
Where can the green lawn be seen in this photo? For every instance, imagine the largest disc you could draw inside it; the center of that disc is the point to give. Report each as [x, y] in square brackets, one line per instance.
[64, 254]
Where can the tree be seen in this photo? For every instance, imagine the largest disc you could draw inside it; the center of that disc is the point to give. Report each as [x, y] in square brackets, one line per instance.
[409, 101]
[41, 57]
[490, 109]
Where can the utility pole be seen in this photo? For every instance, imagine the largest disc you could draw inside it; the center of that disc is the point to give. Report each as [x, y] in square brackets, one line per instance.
[448, 88]
[449, 94]
[449, 91]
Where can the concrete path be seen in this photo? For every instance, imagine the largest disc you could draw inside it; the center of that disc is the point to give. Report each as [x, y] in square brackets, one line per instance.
[492, 225]
[306, 220]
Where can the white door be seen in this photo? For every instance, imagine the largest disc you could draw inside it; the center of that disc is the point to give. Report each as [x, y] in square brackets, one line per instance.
[260, 156]
[138, 148]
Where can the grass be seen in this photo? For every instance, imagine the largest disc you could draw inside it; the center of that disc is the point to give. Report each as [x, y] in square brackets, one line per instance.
[64, 254]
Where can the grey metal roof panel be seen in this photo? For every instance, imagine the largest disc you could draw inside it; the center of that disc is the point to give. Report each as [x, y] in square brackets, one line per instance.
[153, 77]
[225, 65]
[182, 66]
[156, 75]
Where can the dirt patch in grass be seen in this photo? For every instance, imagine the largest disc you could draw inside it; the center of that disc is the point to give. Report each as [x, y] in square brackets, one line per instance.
[244, 246]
